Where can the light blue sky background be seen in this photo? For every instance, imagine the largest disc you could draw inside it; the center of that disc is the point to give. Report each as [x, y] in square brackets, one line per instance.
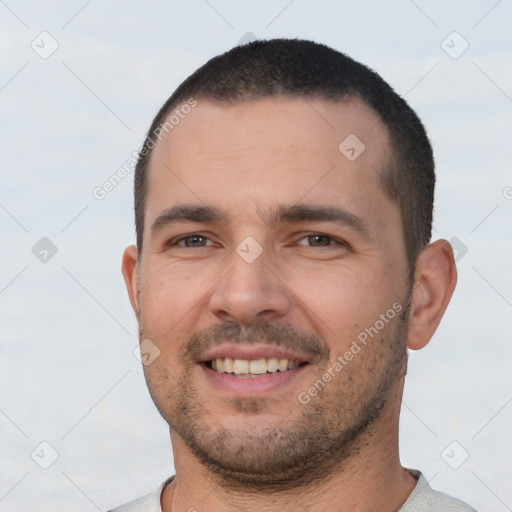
[67, 372]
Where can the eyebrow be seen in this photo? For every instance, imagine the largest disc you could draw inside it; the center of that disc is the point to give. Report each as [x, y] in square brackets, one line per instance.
[319, 213]
[294, 214]
[187, 213]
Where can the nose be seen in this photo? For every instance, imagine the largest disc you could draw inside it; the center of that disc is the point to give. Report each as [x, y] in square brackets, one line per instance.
[250, 291]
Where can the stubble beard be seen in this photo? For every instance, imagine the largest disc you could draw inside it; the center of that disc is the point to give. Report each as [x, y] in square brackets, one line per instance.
[306, 446]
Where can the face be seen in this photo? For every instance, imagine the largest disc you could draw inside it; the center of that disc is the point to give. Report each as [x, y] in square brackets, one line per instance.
[273, 281]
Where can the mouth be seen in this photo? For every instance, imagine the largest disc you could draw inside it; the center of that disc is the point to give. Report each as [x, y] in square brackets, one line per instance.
[247, 370]
[252, 368]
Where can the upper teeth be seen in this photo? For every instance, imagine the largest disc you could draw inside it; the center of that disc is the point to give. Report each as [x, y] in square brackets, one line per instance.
[254, 367]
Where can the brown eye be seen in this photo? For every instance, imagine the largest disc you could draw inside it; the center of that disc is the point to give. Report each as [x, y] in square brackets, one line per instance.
[194, 241]
[317, 240]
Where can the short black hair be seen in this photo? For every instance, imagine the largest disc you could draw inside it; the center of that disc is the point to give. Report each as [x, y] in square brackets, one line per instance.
[299, 68]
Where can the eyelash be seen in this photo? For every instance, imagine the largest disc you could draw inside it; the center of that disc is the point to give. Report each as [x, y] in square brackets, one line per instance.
[334, 241]
[177, 241]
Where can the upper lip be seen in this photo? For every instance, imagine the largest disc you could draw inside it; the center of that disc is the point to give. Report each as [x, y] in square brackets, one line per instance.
[251, 352]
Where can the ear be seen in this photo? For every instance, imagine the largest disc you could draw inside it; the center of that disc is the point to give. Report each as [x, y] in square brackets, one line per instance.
[130, 271]
[435, 278]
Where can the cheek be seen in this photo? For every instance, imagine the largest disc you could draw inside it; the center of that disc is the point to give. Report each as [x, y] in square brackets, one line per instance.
[342, 302]
[169, 296]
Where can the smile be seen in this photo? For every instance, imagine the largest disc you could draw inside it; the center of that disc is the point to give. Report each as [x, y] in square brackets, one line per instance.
[252, 368]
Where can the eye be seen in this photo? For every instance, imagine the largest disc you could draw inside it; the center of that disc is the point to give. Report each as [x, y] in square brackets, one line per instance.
[319, 240]
[194, 240]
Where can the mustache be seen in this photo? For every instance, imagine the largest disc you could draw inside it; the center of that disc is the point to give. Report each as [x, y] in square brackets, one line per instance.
[263, 331]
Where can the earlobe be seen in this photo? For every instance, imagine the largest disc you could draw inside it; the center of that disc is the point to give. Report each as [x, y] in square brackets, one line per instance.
[434, 281]
[130, 271]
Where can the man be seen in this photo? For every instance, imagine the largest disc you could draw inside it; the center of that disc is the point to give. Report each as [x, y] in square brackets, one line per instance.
[283, 201]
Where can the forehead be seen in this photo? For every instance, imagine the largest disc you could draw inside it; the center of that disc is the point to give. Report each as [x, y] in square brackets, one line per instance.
[218, 127]
[271, 151]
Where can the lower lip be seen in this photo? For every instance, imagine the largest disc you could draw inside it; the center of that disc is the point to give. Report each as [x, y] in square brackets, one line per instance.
[250, 386]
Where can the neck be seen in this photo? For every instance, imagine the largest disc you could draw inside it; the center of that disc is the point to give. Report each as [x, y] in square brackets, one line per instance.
[371, 475]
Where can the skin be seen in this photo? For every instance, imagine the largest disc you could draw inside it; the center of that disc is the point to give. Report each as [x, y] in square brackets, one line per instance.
[270, 452]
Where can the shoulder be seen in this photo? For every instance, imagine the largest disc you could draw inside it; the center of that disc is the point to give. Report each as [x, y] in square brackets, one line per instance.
[424, 498]
[138, 505]
[148, 503]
